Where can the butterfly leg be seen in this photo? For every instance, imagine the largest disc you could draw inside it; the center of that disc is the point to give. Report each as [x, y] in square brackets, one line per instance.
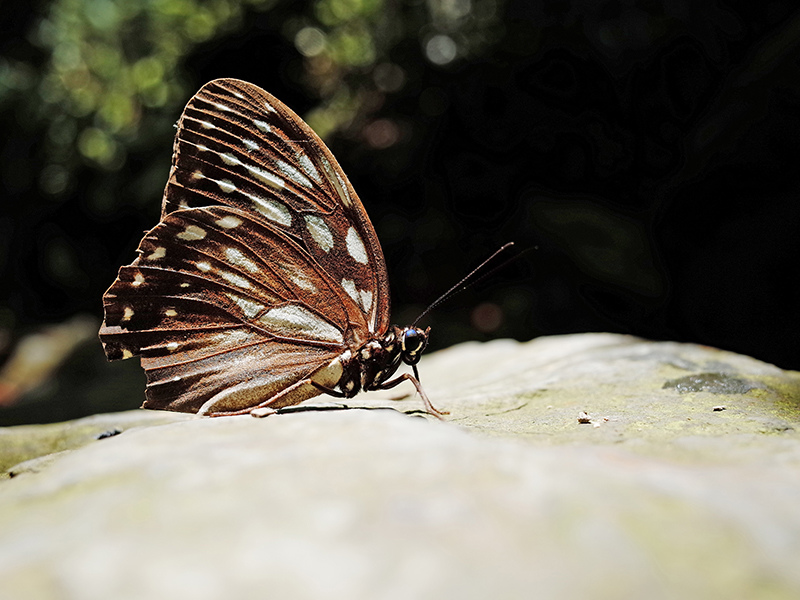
[429, 407]
[265, 411]
[294, 394]
[329, 391]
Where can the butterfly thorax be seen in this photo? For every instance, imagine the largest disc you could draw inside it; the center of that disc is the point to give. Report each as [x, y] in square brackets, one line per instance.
[371, 366]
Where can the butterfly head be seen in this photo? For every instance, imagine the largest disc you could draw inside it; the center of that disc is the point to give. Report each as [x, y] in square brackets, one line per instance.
[413, 342]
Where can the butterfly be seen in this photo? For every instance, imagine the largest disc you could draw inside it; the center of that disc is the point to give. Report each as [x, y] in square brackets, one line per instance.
[264, 283]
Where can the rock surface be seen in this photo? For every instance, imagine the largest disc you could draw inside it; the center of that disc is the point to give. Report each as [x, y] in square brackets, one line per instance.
[587, 466]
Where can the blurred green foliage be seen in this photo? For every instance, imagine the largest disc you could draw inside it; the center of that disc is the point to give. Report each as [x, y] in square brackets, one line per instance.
[102, 65]
[107, 62]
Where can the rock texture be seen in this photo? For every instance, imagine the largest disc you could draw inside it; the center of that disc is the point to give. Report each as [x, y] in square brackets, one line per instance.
[589, 466]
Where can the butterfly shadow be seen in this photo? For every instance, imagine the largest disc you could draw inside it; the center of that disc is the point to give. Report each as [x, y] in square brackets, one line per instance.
[287, 410]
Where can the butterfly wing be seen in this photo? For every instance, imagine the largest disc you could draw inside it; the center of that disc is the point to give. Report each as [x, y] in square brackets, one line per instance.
[216, 306]
[263, 271]
[241, 147]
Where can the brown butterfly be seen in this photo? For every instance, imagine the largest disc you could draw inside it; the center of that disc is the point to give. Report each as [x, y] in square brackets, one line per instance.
[264, 283]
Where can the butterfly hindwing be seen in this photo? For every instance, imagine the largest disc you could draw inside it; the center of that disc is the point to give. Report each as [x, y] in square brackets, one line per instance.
[217, 299]
[247, 373]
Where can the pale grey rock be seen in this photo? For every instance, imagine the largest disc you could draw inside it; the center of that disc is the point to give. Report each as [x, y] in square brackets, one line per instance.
[657, 496]
[28, 442]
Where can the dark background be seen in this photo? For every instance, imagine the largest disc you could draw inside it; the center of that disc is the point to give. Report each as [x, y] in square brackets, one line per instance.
[642, 155]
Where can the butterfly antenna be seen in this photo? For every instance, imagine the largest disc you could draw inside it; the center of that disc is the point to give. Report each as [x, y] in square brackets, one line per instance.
[465, 282]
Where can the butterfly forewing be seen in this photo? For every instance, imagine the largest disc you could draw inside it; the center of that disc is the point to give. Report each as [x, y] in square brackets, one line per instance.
[241, 147]
[264, 271]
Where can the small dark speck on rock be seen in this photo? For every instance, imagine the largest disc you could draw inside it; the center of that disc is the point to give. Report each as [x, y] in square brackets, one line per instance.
[718, 408]
[109, 433]
[583, 417]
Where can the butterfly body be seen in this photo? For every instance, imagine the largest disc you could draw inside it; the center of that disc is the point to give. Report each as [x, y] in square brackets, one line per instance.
[264, 283]
[372, 365]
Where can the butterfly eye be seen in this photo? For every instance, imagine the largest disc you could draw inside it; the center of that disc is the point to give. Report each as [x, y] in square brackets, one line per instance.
[414, 341]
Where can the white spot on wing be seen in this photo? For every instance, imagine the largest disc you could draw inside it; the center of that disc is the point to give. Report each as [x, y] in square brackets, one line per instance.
[350, 287]
[138, 279]
[127, 313]
[127, 354]
[172, 346]
[266, 177]
[225, 185]
[203, 266]
[320, 232]
[249, 308]
[290, 172]
[356, 247]
[301, 281]
[235, 279]
[207, 125]
[308, 167]
[250, 145]
[296, 321]
[229, 222]
[171, 312]
[271, 209]
[262, 126]
[234, 336]
[230, 159]
[237, 258]
[192, 233]
[159, 252]
[366, 300]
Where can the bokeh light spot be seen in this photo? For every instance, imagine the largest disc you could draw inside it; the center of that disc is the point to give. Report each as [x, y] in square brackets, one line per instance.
[382, 133]
[310, 41]
[487, 317]
[441, 49]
